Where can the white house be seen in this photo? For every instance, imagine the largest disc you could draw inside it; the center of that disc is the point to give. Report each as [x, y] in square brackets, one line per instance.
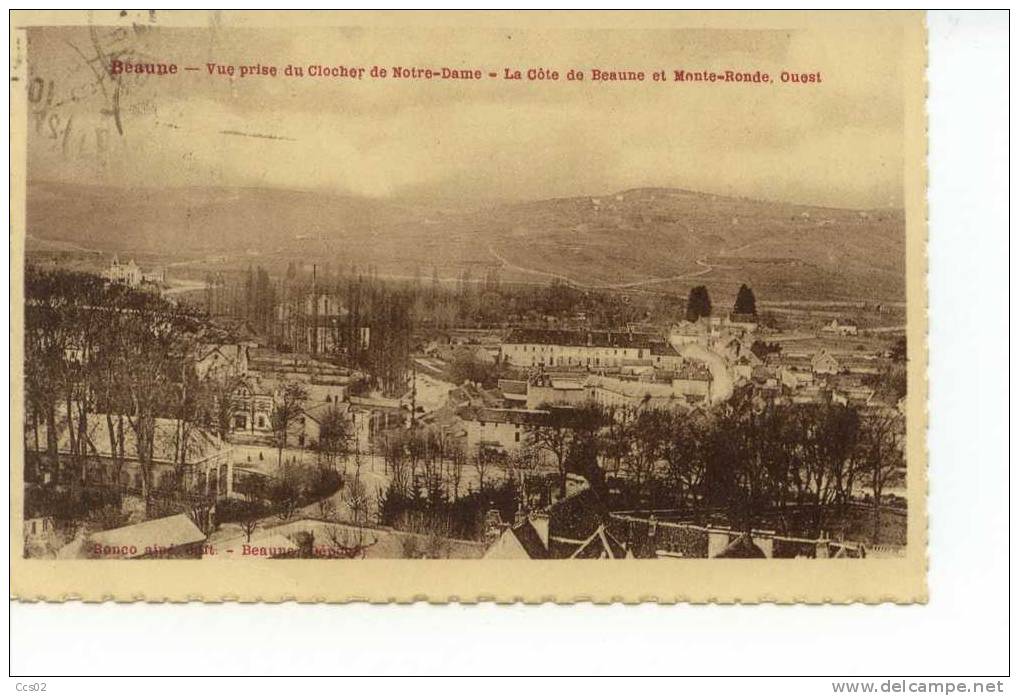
[128, 273]
[221, 359]
[665, 357]
[501, 429]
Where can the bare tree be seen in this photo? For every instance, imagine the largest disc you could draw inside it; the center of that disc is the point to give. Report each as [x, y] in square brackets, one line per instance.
[395, 457]
[882, 459]
[562, 430]
[827, 438]
[519, 464]
[737, 451]
[342, 546]
[335, 436]
[358, 500]
[287, 408]
[327, 508]
[457, 461]
[220, 392]
[187, 407]
[683, 452]
[555, 437]
[649, 432]
[617, 437]
[286, 490]
[484, 459]
[248, 525]
[154, 339]
[47, 340]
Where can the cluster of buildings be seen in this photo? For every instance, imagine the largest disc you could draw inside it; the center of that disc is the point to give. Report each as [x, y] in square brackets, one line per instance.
[710, 331]
[260, 374]
[576, 526]
[194, 458]
[819, 376]
[188, 456]
[690, 366]
[580, 525]
[819, 367]
[572, 368]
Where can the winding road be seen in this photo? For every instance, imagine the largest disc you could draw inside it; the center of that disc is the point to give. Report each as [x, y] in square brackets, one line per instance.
[509, 265]
[721, 378]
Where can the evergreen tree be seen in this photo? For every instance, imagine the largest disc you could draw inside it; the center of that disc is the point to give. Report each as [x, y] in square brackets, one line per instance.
[746, 303]
[698, 304]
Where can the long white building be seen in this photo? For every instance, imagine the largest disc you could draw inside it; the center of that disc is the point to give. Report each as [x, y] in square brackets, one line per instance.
[565, 348]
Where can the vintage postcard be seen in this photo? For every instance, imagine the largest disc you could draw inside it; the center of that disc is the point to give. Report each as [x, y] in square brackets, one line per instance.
[468, 306]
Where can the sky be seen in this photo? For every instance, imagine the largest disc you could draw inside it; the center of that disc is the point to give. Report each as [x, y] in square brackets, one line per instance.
[838, 143]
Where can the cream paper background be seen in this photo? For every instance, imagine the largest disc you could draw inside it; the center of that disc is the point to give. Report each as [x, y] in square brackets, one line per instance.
[700, 580]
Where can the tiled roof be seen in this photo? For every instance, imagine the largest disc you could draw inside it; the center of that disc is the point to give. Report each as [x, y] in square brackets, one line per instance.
[530, 540]
[601, 544]
[231, 351]
[467, 393]
[163, 532]
[664, 349]
[576, 516]
[201, 444]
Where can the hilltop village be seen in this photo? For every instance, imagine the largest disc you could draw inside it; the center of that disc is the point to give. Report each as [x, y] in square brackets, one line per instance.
[339, 415]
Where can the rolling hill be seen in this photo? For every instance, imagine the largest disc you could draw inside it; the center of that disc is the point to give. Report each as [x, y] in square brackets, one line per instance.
[637, 240]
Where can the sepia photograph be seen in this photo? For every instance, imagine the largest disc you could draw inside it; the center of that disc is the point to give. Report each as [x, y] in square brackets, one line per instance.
[370, 293]
[364, 344]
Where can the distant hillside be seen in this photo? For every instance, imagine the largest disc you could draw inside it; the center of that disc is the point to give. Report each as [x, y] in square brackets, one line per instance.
[793, 251]
[644, 239]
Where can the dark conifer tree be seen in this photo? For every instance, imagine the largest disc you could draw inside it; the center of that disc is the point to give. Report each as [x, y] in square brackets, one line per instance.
[746, 303]
[698, 304]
